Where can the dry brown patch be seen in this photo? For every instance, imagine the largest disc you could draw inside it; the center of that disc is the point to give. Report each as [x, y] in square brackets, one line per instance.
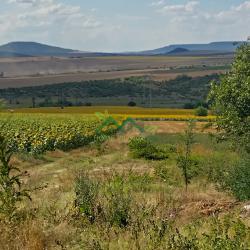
[174, 127]
[200, 149]
[28, 236]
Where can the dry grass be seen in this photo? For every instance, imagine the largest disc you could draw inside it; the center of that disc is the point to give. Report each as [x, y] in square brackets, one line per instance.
[51, 223]
[28, 236]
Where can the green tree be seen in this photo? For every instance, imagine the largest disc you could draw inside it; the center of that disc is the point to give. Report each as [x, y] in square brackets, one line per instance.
[201, 111]
[230, 98]
[185, 161]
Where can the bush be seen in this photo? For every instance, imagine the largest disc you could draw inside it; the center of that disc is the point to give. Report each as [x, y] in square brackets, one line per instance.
[141, 147]
[216, 165]
[193, 168]
[109, 202]
[169, 174]
[132, 104]
[238, 180]
[86, 191]
[189, 105]
[201, 111]
[118, 199]
[224, 233]
[168, 148]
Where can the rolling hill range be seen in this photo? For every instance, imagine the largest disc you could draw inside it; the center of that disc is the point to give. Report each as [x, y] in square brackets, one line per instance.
[27, 49]
[22, 49]
[32, 49]
[213, 48]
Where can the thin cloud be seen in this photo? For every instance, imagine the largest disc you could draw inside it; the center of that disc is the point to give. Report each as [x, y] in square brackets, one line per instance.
[158, 3]
[71, 25]
[188, 7]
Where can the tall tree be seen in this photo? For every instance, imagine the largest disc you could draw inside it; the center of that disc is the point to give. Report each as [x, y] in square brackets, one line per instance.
[231, 99]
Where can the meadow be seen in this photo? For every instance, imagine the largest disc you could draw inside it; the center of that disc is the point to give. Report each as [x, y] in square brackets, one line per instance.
[101, 196]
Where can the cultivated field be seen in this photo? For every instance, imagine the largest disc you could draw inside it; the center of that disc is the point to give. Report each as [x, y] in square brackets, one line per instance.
[39, 71]
[119, 111]
[78, 77]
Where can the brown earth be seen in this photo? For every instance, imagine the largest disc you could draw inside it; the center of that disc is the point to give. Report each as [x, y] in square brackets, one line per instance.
[15, 82]
[33, 71]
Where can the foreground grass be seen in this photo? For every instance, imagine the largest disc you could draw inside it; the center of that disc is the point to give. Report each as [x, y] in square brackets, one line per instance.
[161, 215]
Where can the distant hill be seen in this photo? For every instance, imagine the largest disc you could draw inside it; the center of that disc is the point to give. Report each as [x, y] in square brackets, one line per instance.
[178, 51]
[33, 49]
[17, 49]
[214, 47]
[11, 54]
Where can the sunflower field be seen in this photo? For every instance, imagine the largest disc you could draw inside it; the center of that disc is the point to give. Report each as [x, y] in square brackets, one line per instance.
[37, 133]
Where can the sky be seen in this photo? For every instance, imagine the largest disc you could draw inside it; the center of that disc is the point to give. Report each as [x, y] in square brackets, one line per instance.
[123, 25]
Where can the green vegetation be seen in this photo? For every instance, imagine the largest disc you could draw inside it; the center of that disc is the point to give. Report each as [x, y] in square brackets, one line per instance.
[141, 147]
[237, 180]
[185, 161]
[224, 234]
[111, 200]
[86, 196]
[182, 91]
[36, 134]
[201, 111]
[11, 191]
[231, 100]
[130, 194]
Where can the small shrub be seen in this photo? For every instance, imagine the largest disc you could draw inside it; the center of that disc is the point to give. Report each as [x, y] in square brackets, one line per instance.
[216, 165]
[226, 233]
[180, 241]
[238, 180]
[86, 191]
[189, 105]
[141, 147]
[223, 233]
[168, 148]
[201, 111]
[118, 202]
[162, 172]
[132, 104]
[11, 191]
[193, 168]
[169, 174]
[139, 182]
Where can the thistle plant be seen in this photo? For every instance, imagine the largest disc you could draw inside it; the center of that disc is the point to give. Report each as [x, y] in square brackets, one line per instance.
[11, 191]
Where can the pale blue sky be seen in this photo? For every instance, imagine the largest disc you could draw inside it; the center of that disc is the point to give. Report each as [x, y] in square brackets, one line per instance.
[123, 25]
